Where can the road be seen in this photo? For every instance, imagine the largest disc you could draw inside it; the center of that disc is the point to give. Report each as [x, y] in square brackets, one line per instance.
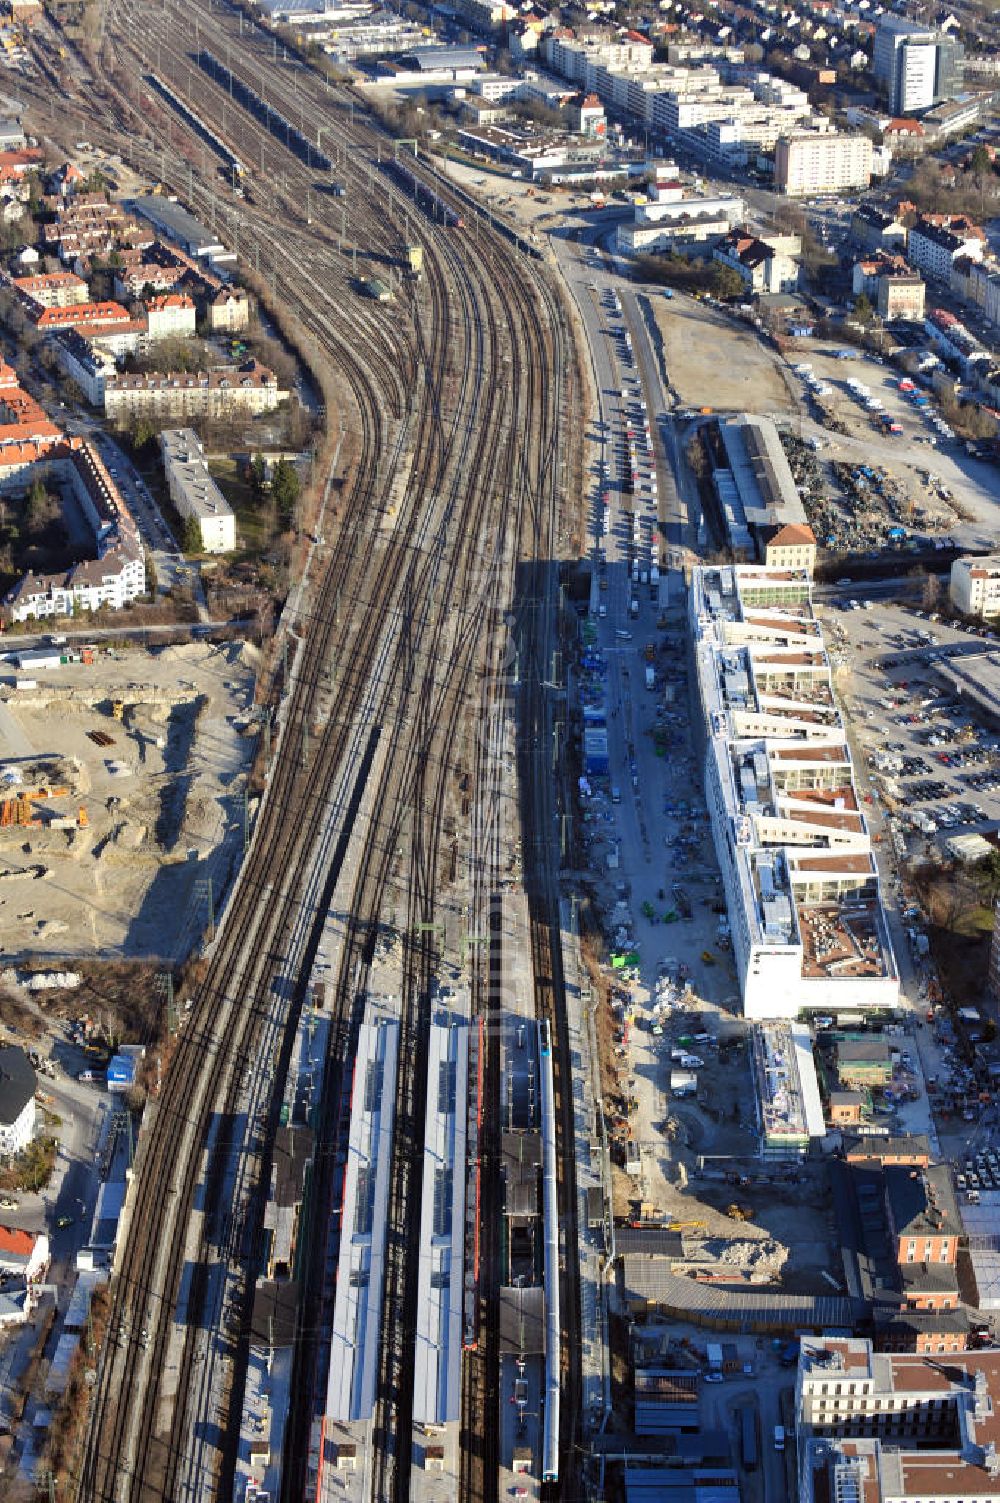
[590, 280]
[173, 570]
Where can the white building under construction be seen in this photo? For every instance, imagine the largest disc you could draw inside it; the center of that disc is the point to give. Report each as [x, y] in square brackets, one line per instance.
[801, 882]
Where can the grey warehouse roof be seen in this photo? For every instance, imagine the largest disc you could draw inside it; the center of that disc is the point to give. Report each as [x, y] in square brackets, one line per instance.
[168, 216]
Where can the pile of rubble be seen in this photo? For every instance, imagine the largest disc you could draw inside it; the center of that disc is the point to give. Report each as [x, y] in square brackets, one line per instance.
[764, 1256]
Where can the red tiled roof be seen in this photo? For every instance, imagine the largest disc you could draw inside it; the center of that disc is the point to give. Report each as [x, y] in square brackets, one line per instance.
[14, 1240]
[793, 534]
[169, 300]
[904, 127]
[83, 313]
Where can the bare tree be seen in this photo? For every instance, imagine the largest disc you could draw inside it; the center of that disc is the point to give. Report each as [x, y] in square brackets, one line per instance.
[931, 593]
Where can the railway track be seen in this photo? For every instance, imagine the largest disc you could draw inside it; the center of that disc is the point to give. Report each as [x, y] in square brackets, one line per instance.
[541, 811]
[483, 491]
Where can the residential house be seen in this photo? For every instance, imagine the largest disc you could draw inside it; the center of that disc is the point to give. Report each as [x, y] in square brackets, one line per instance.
[936, 242]
[220, 392]
[765, 263]
[17, 1100]
[169, 313]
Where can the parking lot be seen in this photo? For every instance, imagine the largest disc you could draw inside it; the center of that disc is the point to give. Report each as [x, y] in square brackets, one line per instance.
[934, 765]
[626, 500]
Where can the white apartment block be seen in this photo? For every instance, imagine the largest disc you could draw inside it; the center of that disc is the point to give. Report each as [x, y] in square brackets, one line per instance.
[113, 580]
[974, 587]
[83, 362]
[683, 225]
[17, 1100]
[810, 162]
[116, 576]
[579, 58]
[727, 121]
[896, 1427]
[194, 492]
[793, 845]
[980, 284]
[932, 249]
[170, 313]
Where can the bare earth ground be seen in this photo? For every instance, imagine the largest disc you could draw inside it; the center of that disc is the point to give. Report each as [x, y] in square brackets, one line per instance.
[715, 362]
[163, 802]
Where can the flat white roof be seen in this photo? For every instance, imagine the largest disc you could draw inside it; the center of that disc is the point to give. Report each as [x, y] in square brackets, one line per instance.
[357, 1313]
[812, 1104]
[187, 468]
[798, 836]
[437, 1358]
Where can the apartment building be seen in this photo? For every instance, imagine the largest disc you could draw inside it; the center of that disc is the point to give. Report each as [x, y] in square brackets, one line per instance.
[793, 845]
[194, 492]
[17, 1099]
[956, 342]
[678, 224]
[116, 575]
[890, 1428]
[56, 289]
[580, 58]
[974, 587]
[896, 290]
[875, 230]
[933, 248]
[730, 122]
[766, 263]
[978, 282]
[104, 316]
[228, 311]
[733, 123]
[138, 276]
[84, 362]
[900, 297]
[811, 162]
[170, 313]
[865, 273]
[220, 392]
[26, 432]
[87, 226]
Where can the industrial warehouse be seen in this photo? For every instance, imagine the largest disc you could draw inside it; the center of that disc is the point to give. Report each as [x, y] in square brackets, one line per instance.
[796, 857]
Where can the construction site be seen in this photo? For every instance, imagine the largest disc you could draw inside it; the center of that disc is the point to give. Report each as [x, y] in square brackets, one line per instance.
[123, 803]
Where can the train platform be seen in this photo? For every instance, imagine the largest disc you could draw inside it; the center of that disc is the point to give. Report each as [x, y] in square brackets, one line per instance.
[437, 1358]
[266, 1392]
[590, 1174]
[522, 1302]
[357, 1317]
[522, 1382]
[346, 1473]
